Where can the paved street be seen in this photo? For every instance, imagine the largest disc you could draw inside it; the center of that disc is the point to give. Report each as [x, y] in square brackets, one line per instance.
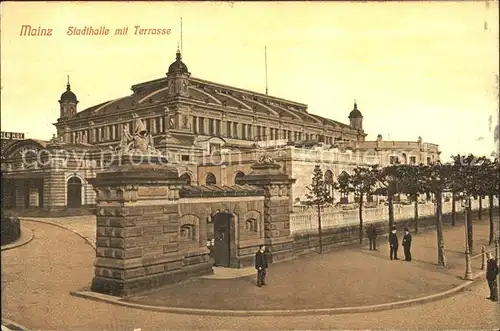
[37, 279]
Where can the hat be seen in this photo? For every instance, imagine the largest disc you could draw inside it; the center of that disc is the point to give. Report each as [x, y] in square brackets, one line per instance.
[406, 229]
[393, 228]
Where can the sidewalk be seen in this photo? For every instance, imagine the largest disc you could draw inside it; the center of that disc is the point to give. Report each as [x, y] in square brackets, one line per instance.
[347, 277]
[37, 280]
[344, 278]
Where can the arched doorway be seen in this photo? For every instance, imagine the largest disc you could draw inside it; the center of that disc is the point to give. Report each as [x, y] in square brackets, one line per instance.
[239, 174]
[222, 238]
[74, 192]
[210, 179]
[186, 178]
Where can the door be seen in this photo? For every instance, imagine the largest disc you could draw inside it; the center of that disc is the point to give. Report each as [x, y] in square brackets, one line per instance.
[222, 239]
[74, 192]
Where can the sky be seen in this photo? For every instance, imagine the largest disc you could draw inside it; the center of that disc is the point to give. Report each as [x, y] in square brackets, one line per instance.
[415, 69]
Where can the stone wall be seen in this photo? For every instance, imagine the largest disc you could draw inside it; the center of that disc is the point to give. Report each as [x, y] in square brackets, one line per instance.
[138, 230]
[247, 229]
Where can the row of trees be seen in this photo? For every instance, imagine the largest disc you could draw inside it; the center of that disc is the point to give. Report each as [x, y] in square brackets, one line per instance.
[463, 177]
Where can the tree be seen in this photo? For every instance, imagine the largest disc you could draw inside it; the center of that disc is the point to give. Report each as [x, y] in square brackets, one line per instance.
[342, 185]
[318, 196]
[491, 182]
[388, 185]
[411, 182]
[434, 177]
[362, 182]
[468, 174]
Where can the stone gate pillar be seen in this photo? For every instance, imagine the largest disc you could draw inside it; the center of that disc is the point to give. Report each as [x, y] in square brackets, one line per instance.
[277, 185]
[137, 227]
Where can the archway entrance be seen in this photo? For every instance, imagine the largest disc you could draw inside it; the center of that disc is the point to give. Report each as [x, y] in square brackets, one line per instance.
[222, 238]
[74, 192]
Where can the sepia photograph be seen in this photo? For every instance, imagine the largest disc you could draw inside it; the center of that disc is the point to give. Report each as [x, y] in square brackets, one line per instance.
[225, 165]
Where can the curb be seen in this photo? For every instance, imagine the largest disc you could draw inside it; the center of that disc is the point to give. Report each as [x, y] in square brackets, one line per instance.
[20, 242]
[292, 312]
[11, 325]
[89, 241]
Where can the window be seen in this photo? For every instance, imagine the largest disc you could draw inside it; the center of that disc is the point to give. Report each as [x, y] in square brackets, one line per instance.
[428, 160]
[185, 157]
[186, 178]
[251, 225]
[214, 148]
[195, 124]
[393, 159]
[413, 159]
[187, 232]
[239, 174]
[228, 129]
[210, 179]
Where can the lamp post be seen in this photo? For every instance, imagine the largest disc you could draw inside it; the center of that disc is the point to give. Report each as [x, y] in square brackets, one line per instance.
[468, 266]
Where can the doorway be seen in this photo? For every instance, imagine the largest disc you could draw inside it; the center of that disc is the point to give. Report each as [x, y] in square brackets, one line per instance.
[222, 249]
[74, 193]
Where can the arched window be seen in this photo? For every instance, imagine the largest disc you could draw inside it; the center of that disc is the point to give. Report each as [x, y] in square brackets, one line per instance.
[343, 182]
[210, 179]
[405, 158]
[239, 174]
[251, 225]
[186, 178]
[74, 192]
[329, 182]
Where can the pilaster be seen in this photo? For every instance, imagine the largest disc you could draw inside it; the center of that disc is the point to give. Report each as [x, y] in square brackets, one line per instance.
[138, 228]
[277, 186]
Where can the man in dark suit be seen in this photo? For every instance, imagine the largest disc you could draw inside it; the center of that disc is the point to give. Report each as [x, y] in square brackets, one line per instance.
[407, 245]
[261, 265]
[372, 236]
[393, 243]
[491, 276]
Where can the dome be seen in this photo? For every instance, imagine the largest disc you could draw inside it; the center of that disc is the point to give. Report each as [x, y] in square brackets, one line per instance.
[178, 66]
[355, 112]
[68, 96]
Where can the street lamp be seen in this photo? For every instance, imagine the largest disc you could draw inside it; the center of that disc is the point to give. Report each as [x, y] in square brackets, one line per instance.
[468, 266]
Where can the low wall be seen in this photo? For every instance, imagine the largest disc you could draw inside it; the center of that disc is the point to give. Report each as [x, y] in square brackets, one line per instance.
[334, 217]
[10, 229]
[348, 235]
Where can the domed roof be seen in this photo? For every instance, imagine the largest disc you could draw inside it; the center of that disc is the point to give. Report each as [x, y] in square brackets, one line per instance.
[178, 66]
[355, 112]
[68, 96]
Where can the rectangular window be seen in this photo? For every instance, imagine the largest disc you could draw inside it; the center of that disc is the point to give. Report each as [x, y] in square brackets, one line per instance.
[413, 159]
[185, 158]
[217, 127]
[211, 127]
[235, 130]
[393, 159]
[228, 129]
[195, 126]
[201, 122]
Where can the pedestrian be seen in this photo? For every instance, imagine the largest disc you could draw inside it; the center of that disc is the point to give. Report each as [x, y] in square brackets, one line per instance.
[407, 245]
[261, 265]
[491, 276]
[372, 236]
[393, 243]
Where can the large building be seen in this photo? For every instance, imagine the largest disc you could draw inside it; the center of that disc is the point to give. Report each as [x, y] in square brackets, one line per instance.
[211, 132]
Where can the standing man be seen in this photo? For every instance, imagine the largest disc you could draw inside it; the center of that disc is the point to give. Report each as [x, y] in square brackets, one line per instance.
[491, 276]
[261, 265]
[407, 245]
[393, 243]
[372, 236]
